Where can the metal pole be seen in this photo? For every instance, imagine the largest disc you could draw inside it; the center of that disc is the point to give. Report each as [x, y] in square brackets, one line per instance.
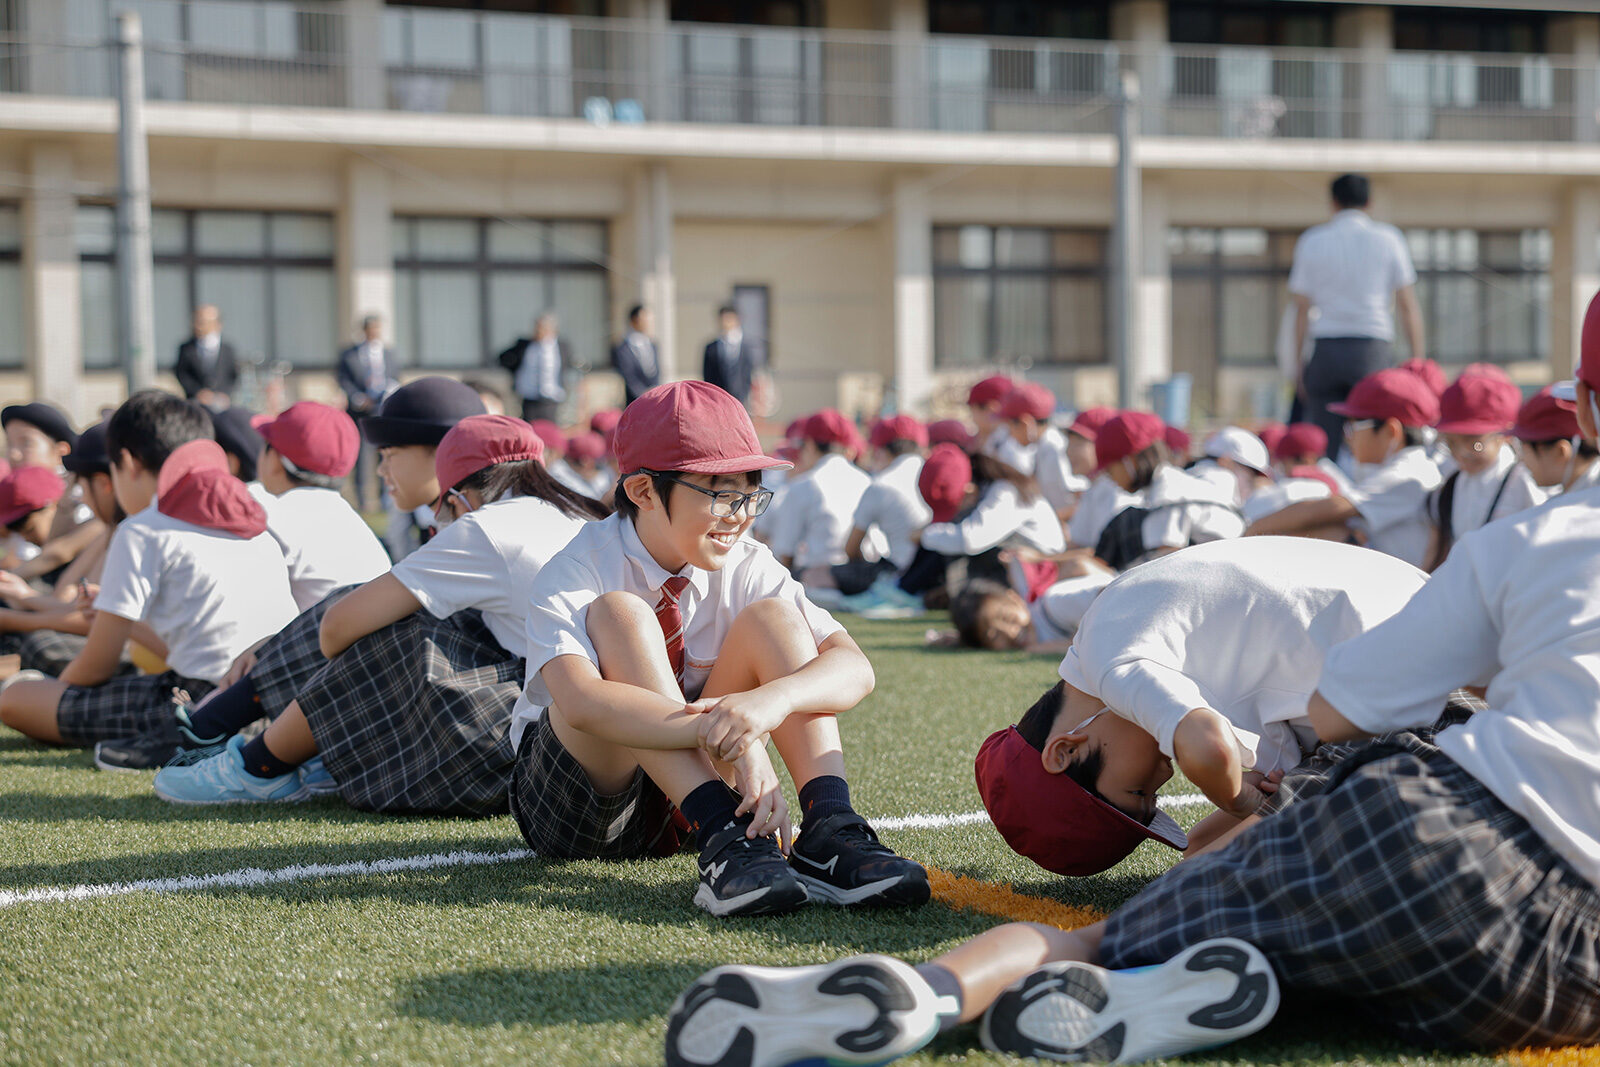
[135, 288]
[1125, 241]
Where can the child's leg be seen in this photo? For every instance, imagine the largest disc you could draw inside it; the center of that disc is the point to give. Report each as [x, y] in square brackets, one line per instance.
[29, 706]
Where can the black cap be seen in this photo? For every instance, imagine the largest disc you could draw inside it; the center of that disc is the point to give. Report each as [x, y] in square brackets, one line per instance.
[42, 415]
[88, 453]
[238, 439]
[422, 412]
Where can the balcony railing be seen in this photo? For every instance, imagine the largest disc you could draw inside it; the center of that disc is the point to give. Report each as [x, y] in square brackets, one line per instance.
[307, 54]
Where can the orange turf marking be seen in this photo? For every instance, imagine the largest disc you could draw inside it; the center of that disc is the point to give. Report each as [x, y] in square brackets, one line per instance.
[1555, 1057]
[994, 898]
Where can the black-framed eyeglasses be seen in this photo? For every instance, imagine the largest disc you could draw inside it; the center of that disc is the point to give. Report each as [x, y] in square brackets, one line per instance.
[725, 503]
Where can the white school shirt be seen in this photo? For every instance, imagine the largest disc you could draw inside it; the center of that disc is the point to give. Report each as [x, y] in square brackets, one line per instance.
[1103, 501]
[1392, 501]
[1000, 519]
[1271, 499]
[1187, 510]
[1350, 267]
[1059, 610]
[1053, 472]
[1337, 473]
[893, 505]
[994, 444]
[1241, 627]
[1516, 607]
[1218, 477]
[208, 595]
[1474, 493]
[325, 544]
[606, 557]
[1012, 452]
[818, 512]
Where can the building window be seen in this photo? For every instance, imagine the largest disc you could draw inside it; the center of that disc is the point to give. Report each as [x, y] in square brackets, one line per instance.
[1071, 19]
[1244, 22]
[11, 332]
[269, 273]
[749, 12]
[1229, 291]
[465, 289]
[1461, 30]
[1485, 295]
[1018, 296]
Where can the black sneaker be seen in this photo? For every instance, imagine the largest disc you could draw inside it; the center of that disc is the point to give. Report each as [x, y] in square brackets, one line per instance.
[740, 876]
[172, 742]
[839, 859]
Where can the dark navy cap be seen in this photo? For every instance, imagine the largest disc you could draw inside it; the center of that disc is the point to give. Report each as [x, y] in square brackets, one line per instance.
[422, 412]
[88, 454]
[42, 415]
[239, 439]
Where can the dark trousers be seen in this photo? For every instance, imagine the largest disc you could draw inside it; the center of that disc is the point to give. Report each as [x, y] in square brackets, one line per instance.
[1337, 364]
[364, 474]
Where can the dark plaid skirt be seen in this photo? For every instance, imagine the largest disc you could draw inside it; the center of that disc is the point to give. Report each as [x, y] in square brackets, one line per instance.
[1406, 886]
[121, 708]
[416, 718]
[562, 816]
[291, 657]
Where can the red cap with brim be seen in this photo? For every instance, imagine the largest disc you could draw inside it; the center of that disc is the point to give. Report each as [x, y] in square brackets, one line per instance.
[1178, 440]
[1271, 433]
[950, 432]
[195, 486]
[1391, 394]
[480, 441]
[899, 428]
[1479, 404]
[1300, 439]
[829, 427]
[1054, 821]
[991, 390]
[1544, 418]
[690, 426]
[1127, 434]
[586, 446]
[315, 437]
[1029, 399]
[1091, 421]
[946, 473]
[26, 490]
[1429, 371]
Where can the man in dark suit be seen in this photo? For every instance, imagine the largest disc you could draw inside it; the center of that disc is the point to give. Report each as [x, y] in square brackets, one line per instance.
[635, 356]
[731, 359]
[538, 367]
[368, 372]
[207, 368]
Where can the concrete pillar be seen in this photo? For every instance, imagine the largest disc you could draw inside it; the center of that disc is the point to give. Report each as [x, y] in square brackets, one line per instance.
[1140, 28]
[642, 39]
[908, 26]
[364, 259]
[1575, 44]
[1574, 273]
[51, 298]
[1369, 31]
[1151, 344]
[365, 83]
[658, 286]
[912, 227]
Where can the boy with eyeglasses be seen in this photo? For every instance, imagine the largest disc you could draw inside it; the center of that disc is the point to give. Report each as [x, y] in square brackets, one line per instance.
[665, 648]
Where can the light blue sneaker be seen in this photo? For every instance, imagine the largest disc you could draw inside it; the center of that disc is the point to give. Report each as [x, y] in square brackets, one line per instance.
[886, 600]
[222, 779]
[315, 778]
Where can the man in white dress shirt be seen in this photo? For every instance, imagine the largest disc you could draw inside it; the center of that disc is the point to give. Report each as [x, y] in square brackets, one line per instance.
[538, 366]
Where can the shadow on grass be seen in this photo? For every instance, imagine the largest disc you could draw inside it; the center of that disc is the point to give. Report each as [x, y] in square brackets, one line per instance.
[42, 807]
[557, 996]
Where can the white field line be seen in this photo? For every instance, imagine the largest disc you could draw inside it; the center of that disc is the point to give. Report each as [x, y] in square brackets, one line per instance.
[251, 877]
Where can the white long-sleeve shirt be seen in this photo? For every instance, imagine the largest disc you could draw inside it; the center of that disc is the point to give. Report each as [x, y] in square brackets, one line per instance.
[1000, 519]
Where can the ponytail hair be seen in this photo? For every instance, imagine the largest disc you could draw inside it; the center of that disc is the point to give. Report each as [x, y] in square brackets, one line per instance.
[528, 477]
[987, 469]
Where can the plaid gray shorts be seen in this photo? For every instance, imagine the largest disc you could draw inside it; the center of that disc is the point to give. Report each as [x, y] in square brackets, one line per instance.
[123, 707]
[291, 657]
[49, 651]
[1406, 886]
[562, 816]
[416, 717]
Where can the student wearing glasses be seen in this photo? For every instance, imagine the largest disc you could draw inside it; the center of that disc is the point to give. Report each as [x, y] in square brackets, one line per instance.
[665, 648]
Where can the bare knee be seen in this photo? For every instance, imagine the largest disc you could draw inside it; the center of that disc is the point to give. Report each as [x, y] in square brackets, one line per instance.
[773, 615]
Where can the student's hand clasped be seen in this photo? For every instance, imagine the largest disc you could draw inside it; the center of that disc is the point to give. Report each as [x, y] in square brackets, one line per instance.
[761, 795]
[1254, 789]
[731, 725]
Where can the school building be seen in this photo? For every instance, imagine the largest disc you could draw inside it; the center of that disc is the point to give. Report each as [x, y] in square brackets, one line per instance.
[899, 195]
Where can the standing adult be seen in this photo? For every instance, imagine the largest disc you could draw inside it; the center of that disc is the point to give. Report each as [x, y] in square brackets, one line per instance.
[1352, 269]
[538, 366]
[207, 369]
[635, 356]
[368, 372]
[733, 360]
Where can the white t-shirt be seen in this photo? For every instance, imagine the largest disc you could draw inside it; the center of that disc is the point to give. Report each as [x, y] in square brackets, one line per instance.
[1391, 500]
[1240, 627]
[893, 505]
[1186, 510]
[607, 556]
[208, 595]
[818, 511]
[1053, 471]
[1271, 499]
[1010, 451]
[1059, 610]
[325, 544]
[1475, 494]
[994, 445]
[1516, 607]
[1104, 500]
[1000, 519]
[1350, 267]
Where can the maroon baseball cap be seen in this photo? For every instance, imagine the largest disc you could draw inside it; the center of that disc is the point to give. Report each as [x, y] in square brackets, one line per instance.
[946, 473]
[480, 441]
[829, 427]
[1479, 403]
[1301, 439]
[950, 432]
[1270, 433]
[1030, 399]
[1090, 421]
[195, 486]
[1484, 370]
[1588, 368]
[1054, 821]
[1544, 418]
[1429, 371]
[315, 437]
[899, 428]
[586, 446]
[555, 442]
[605, 420]
[991, 390]
[1125, 434]
[1391, 394]
[1178, 440]
[26, 490]
[690, 426]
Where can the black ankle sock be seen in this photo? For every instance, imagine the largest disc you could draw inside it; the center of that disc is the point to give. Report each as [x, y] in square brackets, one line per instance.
[709, 808]
[824, 795]
[943, 982]
[228, 712]
[259, 760]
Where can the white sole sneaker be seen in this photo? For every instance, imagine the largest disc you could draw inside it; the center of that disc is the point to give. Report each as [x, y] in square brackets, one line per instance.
[860, 1010]
[1215, 992]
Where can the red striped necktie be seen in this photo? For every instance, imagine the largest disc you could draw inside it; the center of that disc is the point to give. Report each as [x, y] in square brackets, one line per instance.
[670, 617]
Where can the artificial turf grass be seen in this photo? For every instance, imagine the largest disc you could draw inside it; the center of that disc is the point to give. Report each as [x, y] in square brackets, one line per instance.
[557, 962]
